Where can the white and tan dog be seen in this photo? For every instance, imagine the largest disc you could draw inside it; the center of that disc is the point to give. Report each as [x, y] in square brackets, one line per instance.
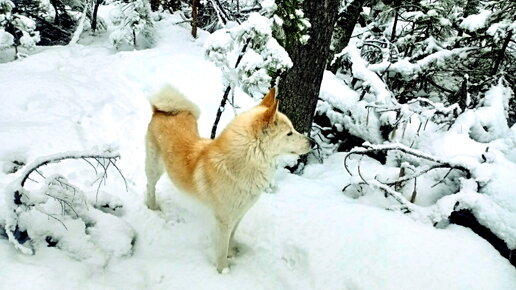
[228, 173]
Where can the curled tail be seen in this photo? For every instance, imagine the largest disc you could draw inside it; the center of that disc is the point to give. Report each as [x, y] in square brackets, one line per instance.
[170, 100]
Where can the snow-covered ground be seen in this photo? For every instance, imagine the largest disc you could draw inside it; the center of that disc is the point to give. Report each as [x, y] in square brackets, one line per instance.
[305, 234]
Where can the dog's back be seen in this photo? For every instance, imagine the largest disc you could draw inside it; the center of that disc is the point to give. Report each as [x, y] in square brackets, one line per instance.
[173, 134]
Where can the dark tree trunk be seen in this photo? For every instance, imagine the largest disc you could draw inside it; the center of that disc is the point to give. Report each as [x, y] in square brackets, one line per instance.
[195, 5]
[501, 53]
[397, 5]
[95, 12]
[299, 90]
[346, 22]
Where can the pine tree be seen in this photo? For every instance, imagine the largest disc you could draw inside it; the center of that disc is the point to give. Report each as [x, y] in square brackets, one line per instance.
[249, 56]
[290, 25]
[259, 56]
[134, 20]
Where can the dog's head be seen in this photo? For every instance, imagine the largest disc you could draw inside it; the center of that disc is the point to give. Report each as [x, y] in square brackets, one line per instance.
[275, 131]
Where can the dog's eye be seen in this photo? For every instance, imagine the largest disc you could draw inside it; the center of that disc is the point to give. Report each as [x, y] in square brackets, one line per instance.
[289, 133]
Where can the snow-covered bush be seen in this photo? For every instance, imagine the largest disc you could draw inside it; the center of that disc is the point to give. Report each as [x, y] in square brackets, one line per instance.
[411, 153]
[55, 20]
[248, 55]
[61, 215]
[134, 22]
[16, 29]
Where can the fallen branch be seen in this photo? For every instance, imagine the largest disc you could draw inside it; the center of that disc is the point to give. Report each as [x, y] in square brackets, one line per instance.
[386, 187]
[369, 148]
[97, 156]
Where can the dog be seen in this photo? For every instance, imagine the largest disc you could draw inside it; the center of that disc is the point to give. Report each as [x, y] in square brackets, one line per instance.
[227, 173]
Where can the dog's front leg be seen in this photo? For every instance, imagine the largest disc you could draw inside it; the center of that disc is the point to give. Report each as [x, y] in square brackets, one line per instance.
[222, 245]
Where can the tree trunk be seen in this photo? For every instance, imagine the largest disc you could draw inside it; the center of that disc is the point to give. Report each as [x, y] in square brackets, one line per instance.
[346, 22]
[195, 4]
[94, 17]
[299, 90]
[501, 53]
[396, 8]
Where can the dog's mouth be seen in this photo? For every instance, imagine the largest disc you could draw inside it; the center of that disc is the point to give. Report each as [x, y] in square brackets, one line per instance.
[300, 152]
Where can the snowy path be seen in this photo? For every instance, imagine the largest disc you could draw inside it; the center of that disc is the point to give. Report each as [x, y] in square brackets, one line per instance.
[305, 235]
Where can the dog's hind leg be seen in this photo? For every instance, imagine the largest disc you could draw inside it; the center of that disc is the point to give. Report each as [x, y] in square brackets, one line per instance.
[233, 248]
[153, 169]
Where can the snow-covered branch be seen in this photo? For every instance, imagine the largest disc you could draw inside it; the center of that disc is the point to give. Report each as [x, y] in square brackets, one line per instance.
[370, 148]
[99, 156]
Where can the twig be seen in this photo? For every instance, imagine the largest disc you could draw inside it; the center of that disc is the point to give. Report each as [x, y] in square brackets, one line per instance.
[52, 216]
[414, 192]
[120, 172]
[359, 172]
[226, 93]
[65, 202]
[93, 166]
[392, 193]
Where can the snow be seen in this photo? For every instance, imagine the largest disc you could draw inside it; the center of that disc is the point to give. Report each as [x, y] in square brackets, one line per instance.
[6, 39]
[474, 22]
[363, 72]
[305, 234]
[361, 123]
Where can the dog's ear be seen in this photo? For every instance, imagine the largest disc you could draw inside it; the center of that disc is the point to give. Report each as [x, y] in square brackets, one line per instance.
[269, 115]
[269, 98]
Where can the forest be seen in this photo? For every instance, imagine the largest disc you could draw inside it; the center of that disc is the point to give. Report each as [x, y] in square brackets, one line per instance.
[411, 105]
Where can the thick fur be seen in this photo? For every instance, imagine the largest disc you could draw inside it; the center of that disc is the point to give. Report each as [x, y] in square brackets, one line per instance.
[228, 173]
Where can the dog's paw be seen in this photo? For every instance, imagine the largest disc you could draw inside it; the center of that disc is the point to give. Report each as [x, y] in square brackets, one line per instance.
[223, 265]
[223, 271]
[153, 206]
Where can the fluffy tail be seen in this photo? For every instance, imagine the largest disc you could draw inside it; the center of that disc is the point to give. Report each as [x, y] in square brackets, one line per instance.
[170, 100]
